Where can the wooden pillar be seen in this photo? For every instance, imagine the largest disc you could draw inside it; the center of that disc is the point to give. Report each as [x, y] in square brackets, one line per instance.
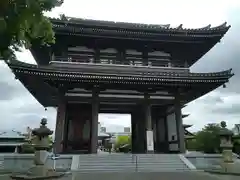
[155, 128]
[123, 57]
[94, 122]
[60, 127]
[148, 120]
[161, 133]
[145, 57]
[179, 124]
[96, 55]
[139, 131]
[166, 148]
[134, 132]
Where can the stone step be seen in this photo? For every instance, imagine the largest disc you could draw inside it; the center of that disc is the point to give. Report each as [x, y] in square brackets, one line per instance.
[131, 163]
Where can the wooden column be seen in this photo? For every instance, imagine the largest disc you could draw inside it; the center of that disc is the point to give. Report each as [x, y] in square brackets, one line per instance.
[123, 57]
[134, 132]
[145, 57]
[148, 120]
[60, 127]
[179, 123]
[96, 55]
[154, 127]
[141, 130]
[94, 122]
[166, 148]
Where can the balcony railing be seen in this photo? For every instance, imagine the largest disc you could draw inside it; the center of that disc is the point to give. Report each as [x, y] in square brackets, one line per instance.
[112, 60]
[117, 69]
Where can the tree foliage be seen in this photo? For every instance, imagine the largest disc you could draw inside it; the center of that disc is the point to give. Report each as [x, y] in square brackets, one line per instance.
[23, 22]
[28, 147]
[207, 140]
[121, 141]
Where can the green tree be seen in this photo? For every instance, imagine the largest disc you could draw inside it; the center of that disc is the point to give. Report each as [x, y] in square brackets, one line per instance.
[121, 141]
[191, 144]
[236, 144]
[208, 139]
[29, 148]
[22, 22]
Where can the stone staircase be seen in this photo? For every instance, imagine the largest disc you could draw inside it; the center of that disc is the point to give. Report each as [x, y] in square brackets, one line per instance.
[129, 163]
[107, 163]
[160, 163]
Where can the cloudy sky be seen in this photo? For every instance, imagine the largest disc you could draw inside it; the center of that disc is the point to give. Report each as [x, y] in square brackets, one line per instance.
[19, 109]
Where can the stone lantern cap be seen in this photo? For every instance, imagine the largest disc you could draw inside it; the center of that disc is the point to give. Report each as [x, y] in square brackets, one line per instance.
[43, 130]
[225, 131]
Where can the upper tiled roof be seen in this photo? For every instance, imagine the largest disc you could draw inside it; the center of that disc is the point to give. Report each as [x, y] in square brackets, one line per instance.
[140, 26]
[183, 44]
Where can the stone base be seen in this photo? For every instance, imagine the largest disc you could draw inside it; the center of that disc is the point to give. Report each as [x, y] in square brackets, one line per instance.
[233, 167]
[227, 169]
[150, 152]
[39, 170]
[38, 173]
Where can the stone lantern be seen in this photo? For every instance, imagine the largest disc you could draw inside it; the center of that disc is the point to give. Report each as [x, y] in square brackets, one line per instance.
[41, 145]
[229, 166]
[226, 143]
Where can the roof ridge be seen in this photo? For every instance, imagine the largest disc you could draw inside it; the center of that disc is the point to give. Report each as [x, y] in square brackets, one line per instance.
[67, 19]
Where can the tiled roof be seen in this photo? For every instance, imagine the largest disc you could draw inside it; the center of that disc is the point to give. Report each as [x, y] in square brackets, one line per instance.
[68, 74]
[11, 134]
[137, 26]
[101, 134]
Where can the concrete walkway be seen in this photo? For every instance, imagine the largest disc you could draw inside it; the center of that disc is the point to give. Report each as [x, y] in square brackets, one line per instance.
[153, 176]
[144, 176]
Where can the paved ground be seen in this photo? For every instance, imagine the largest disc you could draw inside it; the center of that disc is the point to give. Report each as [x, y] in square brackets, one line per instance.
[147, 176]
[154, 176]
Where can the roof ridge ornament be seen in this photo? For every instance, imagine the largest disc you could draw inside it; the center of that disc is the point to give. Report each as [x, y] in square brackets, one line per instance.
[180, 27]
[223, 25]
[206, 27]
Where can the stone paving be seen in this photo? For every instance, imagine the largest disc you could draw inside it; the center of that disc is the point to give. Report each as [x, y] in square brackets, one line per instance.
[155, 176]
[148, 176]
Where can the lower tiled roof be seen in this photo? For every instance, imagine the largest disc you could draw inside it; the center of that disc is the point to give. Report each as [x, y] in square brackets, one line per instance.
[125, 77]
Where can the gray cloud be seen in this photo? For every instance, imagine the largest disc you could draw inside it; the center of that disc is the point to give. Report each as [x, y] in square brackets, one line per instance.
[223, 103]
[18, 107]
[7, 91]
[9, 86]
[211, 100]
[231, 110]
[225, 55]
